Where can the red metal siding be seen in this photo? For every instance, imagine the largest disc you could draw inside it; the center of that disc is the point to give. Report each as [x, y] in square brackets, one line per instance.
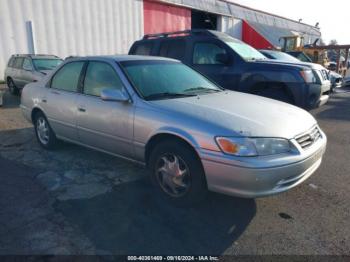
[160, 18]
[253, 38]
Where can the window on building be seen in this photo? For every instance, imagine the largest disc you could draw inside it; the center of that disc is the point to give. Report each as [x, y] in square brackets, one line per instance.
[67, 78]
[173, 49]
[205, 54]
[100, 76]
[143, 49]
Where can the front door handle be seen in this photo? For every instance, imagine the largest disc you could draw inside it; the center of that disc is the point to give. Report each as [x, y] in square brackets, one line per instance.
[81, 109]
[44, 100]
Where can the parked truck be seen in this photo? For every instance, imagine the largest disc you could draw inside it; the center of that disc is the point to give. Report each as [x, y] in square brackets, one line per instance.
[237, 66]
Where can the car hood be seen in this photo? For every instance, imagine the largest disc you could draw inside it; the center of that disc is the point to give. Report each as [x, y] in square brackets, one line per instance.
[299, 63]
[280, 63]
[334, 74]
[239, 114]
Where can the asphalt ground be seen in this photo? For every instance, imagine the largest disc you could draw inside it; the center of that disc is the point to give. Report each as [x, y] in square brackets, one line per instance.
[86, 202]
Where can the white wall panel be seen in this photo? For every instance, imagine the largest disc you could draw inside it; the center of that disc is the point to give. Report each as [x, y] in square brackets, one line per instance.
[69, 27]
[230, 26]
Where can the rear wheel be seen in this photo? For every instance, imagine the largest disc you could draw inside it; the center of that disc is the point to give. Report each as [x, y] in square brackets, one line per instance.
[12, 87]
[178, 173]
[44, 134]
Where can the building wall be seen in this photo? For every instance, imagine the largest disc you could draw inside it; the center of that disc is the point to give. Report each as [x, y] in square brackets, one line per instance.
[161, 18]
[230, 26]
[69, 27]
[253, 38]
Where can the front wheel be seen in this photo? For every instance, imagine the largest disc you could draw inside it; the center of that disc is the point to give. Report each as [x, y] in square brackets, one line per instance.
[178, 173]
[44, 134]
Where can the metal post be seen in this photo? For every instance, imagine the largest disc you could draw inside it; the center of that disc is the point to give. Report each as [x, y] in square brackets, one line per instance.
[338, 60]
[346, 61]
[30, 37]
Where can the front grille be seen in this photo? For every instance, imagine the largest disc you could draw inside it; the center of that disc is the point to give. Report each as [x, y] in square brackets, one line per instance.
[309, 138]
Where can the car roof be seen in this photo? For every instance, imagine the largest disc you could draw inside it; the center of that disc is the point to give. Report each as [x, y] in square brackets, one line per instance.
[42, 56]
[123, 58]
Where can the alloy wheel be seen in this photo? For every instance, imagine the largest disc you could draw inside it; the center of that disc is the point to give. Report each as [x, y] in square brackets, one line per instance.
[43, 131]
[173, 175]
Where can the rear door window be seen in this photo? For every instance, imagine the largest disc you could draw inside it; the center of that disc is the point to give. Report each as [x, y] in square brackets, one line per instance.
[18, 62]
[67, 78]
[173, 49]
[143, 48]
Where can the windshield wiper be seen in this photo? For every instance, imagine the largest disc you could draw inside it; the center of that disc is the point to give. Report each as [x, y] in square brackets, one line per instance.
[201, 88]
[166, 95]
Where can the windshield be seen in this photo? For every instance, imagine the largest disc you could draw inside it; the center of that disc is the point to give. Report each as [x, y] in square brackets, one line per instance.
[166, 79]
[245, 51]
[46, 64]
[282, 56]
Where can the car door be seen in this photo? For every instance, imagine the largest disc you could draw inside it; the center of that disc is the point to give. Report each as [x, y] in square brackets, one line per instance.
[17, 71]
[106, 125]
[26, 74]
[59, 100]
[205, 60]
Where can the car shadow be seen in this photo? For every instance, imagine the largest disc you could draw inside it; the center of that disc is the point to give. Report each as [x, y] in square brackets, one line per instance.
[9, 100]
[133, 220]
[337, 108]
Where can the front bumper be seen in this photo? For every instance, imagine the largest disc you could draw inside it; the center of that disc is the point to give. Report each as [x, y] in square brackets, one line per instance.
[251, 178]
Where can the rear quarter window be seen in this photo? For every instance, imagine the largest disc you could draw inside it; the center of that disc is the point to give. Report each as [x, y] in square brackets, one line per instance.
[11, 62]
[143, 49]
[173, 49]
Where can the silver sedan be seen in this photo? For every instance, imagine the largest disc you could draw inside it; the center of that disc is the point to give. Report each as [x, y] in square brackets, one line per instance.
[193, 135]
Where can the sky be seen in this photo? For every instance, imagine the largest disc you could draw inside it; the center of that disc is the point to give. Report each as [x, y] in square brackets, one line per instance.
[333, 16]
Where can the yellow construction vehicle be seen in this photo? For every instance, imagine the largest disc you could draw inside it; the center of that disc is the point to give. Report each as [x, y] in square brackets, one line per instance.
[317, 54]
[296, 43]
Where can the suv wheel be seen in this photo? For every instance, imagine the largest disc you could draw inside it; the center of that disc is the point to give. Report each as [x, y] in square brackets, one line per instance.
[12, 87]
[178, 173]
[44, 134]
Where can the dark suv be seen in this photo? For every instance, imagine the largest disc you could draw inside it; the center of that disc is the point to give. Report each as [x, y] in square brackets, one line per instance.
[235, 65]
[24, 69]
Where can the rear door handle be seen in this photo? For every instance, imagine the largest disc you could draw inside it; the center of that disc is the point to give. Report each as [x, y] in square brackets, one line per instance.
[44, 100]
[81, 109]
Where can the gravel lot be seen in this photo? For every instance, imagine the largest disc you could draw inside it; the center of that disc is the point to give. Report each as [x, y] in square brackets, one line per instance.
[91, 203]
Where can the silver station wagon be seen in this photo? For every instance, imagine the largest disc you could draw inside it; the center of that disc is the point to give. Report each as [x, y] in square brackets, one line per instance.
[192, 135]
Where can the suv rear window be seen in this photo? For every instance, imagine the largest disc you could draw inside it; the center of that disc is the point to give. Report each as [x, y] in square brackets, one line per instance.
[143, 49]
[173, 49]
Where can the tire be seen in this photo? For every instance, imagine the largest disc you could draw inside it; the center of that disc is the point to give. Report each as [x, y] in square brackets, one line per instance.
[275, 93]
[12, 87]
[188, 162]
[43, 131]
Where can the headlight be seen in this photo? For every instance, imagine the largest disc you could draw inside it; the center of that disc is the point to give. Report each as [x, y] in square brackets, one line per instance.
[238, 146]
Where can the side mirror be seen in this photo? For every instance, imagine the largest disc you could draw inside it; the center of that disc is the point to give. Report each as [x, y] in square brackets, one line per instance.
[222, 58]
[114, 95]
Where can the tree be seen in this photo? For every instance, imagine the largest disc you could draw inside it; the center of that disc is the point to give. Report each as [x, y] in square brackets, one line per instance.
[333, 42]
